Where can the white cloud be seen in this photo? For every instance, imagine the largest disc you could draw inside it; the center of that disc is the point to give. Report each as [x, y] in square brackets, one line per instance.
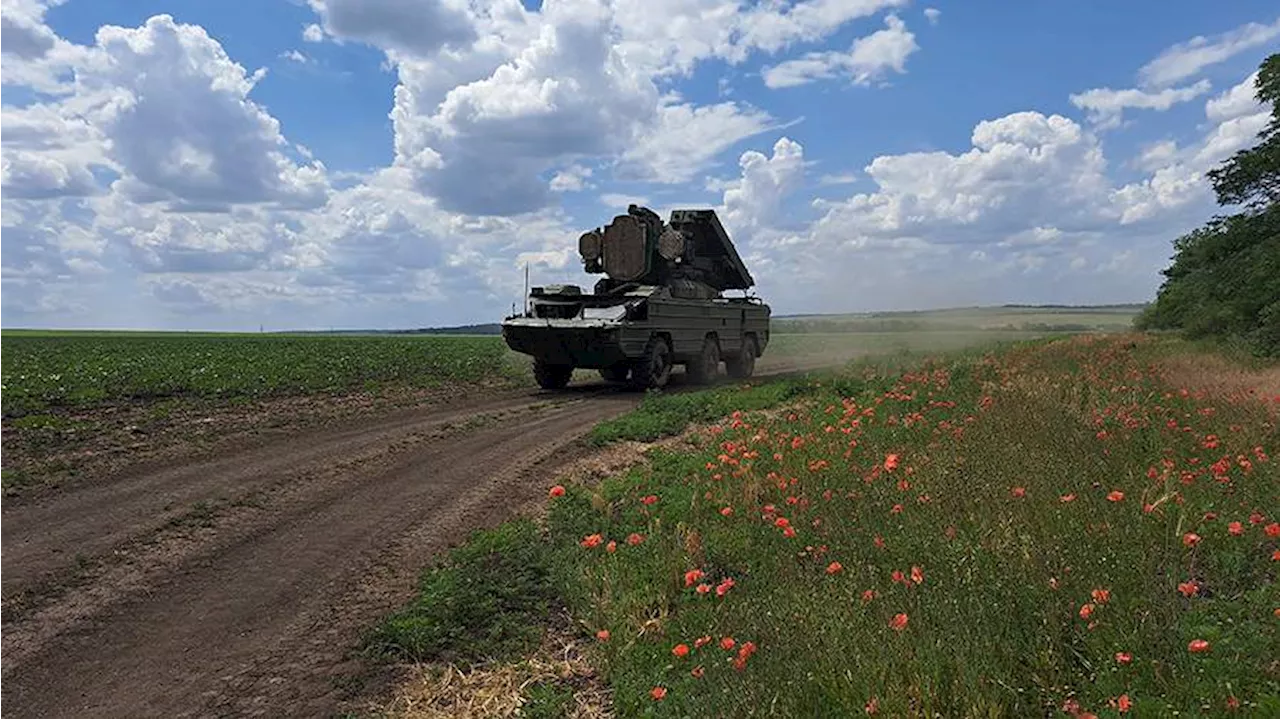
[752, 202]
[1106, 107]
[869, 59]
[313, 33]
[1240, 100]
[773, 26]
[176, 114]
[686, 137]
[295, 56]
[418, 27]
[932, 14]
[48, 154]
[571, 179]
[1187, 59]
[847, 178]
[23, 32]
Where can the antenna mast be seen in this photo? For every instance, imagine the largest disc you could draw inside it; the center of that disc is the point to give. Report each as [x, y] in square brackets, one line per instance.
[526, 288]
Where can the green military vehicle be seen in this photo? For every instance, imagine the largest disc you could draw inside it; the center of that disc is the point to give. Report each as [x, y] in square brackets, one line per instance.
[660, 304]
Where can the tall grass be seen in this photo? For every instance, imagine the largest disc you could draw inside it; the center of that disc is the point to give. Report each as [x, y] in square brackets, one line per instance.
[1052, 528]
[1060, 528]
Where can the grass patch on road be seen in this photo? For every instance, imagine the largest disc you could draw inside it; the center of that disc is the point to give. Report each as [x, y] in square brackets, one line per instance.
[1062, 526]
[487, 600]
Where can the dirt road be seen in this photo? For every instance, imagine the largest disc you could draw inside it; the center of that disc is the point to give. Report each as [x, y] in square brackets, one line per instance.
[239, 586]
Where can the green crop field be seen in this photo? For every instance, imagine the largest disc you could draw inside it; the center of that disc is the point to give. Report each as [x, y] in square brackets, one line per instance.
[46, 369]
[43, 370]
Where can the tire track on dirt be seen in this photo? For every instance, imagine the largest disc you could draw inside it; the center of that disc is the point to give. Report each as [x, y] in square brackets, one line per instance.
[191, 639]
[50, 539]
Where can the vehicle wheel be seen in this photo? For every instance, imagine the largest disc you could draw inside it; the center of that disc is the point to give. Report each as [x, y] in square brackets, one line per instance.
[551, 376]
[704, 368]
[741, 365]
[653, 369]
[616, 373]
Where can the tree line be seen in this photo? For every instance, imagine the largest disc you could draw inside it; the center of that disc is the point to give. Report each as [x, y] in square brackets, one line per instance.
[1224, 281]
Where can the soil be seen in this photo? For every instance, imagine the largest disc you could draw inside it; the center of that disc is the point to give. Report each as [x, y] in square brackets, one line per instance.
[238, 580]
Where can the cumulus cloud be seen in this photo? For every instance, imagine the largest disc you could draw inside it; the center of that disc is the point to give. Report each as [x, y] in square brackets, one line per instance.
[1187, 59]
[932, 14]
[418, 27]
[23, 32]
[752, 202]
[869, 59]
[1238, 101]
[176, 114]
[48, 154]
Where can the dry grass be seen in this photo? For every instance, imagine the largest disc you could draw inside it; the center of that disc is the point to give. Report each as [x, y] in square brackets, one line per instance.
[1217, 376]
[500, 690]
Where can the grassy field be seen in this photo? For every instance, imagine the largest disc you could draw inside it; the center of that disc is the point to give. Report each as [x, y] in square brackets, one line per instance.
[44, 370]
[1079, 527]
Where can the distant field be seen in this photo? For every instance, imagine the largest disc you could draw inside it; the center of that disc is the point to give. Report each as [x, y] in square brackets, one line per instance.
[1041, 319]
[58, 369]
[46, 369]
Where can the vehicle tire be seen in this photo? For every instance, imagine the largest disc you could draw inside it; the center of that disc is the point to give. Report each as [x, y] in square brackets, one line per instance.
[653, 369]
[704, 368]
[741, 365]
[616, 373]
[551, 376]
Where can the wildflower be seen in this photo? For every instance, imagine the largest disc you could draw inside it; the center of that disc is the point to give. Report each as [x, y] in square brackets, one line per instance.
[873, 706]
[1123, 657]
[652, 498]
[1124, 703]
[703, 588]
[723, 587]
[658, 693]
[1191, 539]
[633, 539]
[680, 650]
[1235, 528]
[557, 491]
[1115, 495]
[725, 512]
[611, 547]
[917, 575]
[899, 622]
[701, 641]
[891, 462]
[834, 567]
[697, 672]
[744, 652]
[1067, 498]
[1019, 492]
[603, 635]
[692, 576]
[1197, 646]
[1188, 589]
[1273, 530]
[727, 643]
[1086, 611]
[592, 540]
[1101, 596]
[870, 594]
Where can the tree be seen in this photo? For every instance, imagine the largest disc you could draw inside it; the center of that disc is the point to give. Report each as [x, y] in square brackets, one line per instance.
[1224, 281]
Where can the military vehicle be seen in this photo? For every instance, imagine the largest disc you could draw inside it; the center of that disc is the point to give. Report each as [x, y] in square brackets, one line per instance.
[660, 304]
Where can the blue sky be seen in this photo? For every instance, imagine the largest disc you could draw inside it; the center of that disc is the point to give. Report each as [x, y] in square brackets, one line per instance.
[393, 163]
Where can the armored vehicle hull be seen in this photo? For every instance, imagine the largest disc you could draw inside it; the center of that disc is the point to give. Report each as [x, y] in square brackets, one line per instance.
[661, 307]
